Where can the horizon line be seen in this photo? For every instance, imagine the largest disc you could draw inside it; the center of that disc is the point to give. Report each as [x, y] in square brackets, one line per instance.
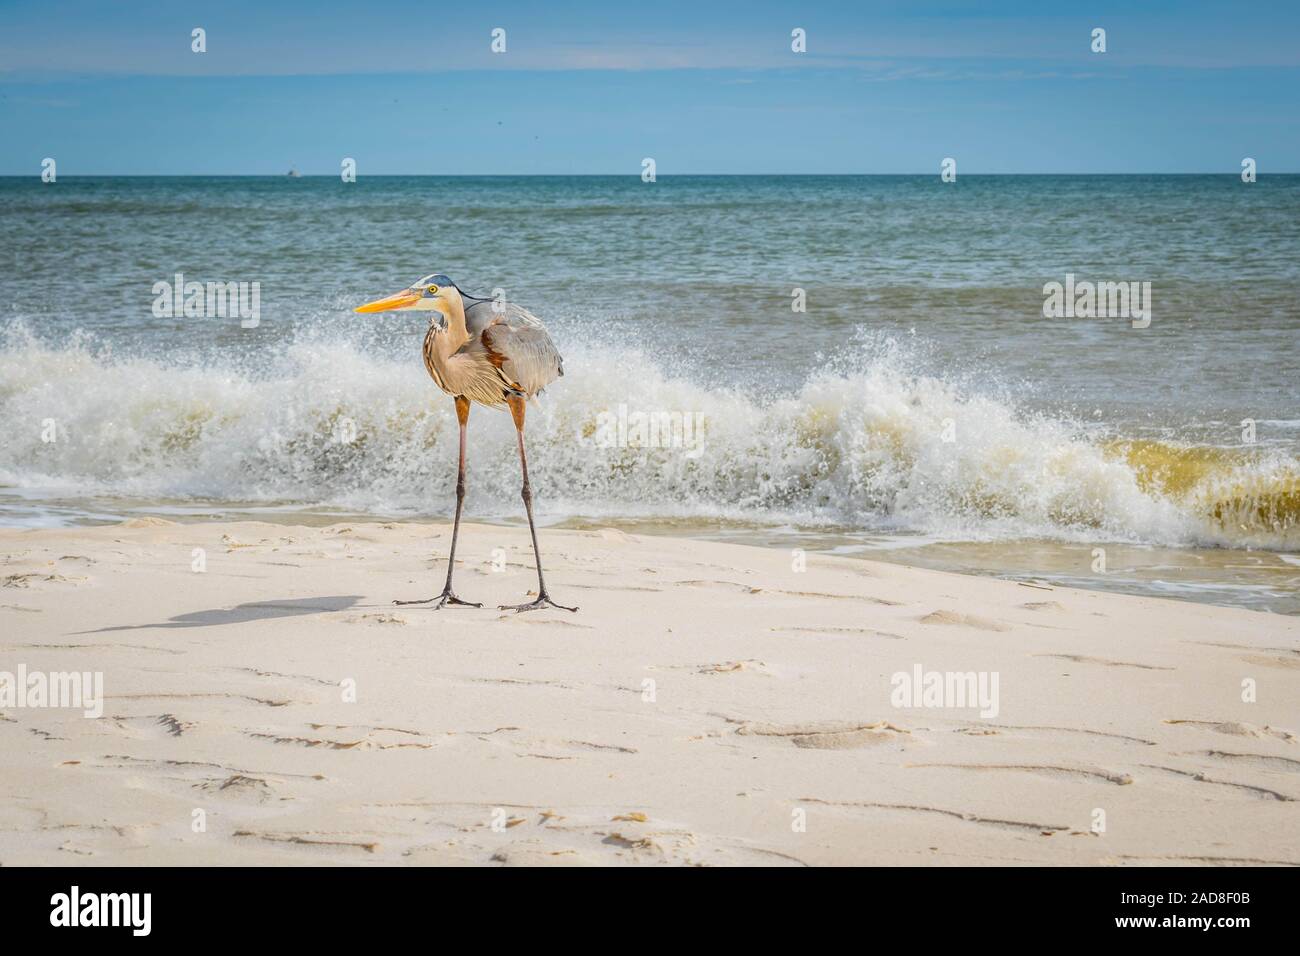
[624, 175]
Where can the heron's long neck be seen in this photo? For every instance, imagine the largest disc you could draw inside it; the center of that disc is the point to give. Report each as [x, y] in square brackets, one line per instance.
[457, 334]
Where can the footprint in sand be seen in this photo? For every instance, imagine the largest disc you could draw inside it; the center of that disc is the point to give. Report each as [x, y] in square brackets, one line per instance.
[1235, 728]
[963, 620]
[723, 667]
[153, 726]
[354, 738]
[730, 667]
[239, 787]
[831, 735]
[26, 580]
[382, 618]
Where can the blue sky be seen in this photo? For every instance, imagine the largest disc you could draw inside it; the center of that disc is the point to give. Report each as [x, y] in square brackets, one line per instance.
[887, 87]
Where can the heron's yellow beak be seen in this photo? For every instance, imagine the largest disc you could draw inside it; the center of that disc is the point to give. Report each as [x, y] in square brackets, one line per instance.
[401, 300]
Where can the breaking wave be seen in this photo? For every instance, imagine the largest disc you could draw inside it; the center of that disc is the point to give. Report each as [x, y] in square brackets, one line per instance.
[869, 442]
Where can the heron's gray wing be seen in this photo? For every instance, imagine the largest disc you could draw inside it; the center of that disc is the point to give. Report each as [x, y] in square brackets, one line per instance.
[519, 342]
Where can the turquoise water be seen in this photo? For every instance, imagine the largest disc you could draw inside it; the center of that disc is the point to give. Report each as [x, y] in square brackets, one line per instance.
[922, 406]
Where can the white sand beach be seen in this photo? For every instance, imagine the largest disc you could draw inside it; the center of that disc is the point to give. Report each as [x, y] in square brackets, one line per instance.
[707, 705]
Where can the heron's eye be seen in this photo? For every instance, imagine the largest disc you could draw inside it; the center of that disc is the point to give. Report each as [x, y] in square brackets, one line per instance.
[433, 289]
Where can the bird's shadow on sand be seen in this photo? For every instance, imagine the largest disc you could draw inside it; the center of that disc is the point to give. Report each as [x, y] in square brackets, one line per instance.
[243, 613]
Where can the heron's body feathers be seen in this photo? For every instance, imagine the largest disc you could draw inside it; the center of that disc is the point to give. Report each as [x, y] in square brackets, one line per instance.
[507, 352]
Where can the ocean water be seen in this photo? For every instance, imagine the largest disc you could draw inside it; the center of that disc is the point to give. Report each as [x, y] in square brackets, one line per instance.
[921, 409]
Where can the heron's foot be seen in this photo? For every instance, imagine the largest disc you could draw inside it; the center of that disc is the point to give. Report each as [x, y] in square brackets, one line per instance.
[442, 600]
[543, 600]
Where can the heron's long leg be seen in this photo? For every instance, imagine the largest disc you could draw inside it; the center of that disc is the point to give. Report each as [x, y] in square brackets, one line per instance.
[447, 596]
[543, 599]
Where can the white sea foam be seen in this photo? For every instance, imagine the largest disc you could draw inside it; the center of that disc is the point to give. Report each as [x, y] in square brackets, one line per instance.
[862, 444]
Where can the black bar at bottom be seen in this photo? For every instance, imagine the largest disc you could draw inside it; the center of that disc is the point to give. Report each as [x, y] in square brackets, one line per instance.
[339, 904]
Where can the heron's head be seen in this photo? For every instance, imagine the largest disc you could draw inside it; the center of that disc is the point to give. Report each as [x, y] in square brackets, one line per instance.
[433, 293]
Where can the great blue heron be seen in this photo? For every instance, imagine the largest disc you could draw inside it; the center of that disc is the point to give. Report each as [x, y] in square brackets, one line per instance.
[490, 352]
